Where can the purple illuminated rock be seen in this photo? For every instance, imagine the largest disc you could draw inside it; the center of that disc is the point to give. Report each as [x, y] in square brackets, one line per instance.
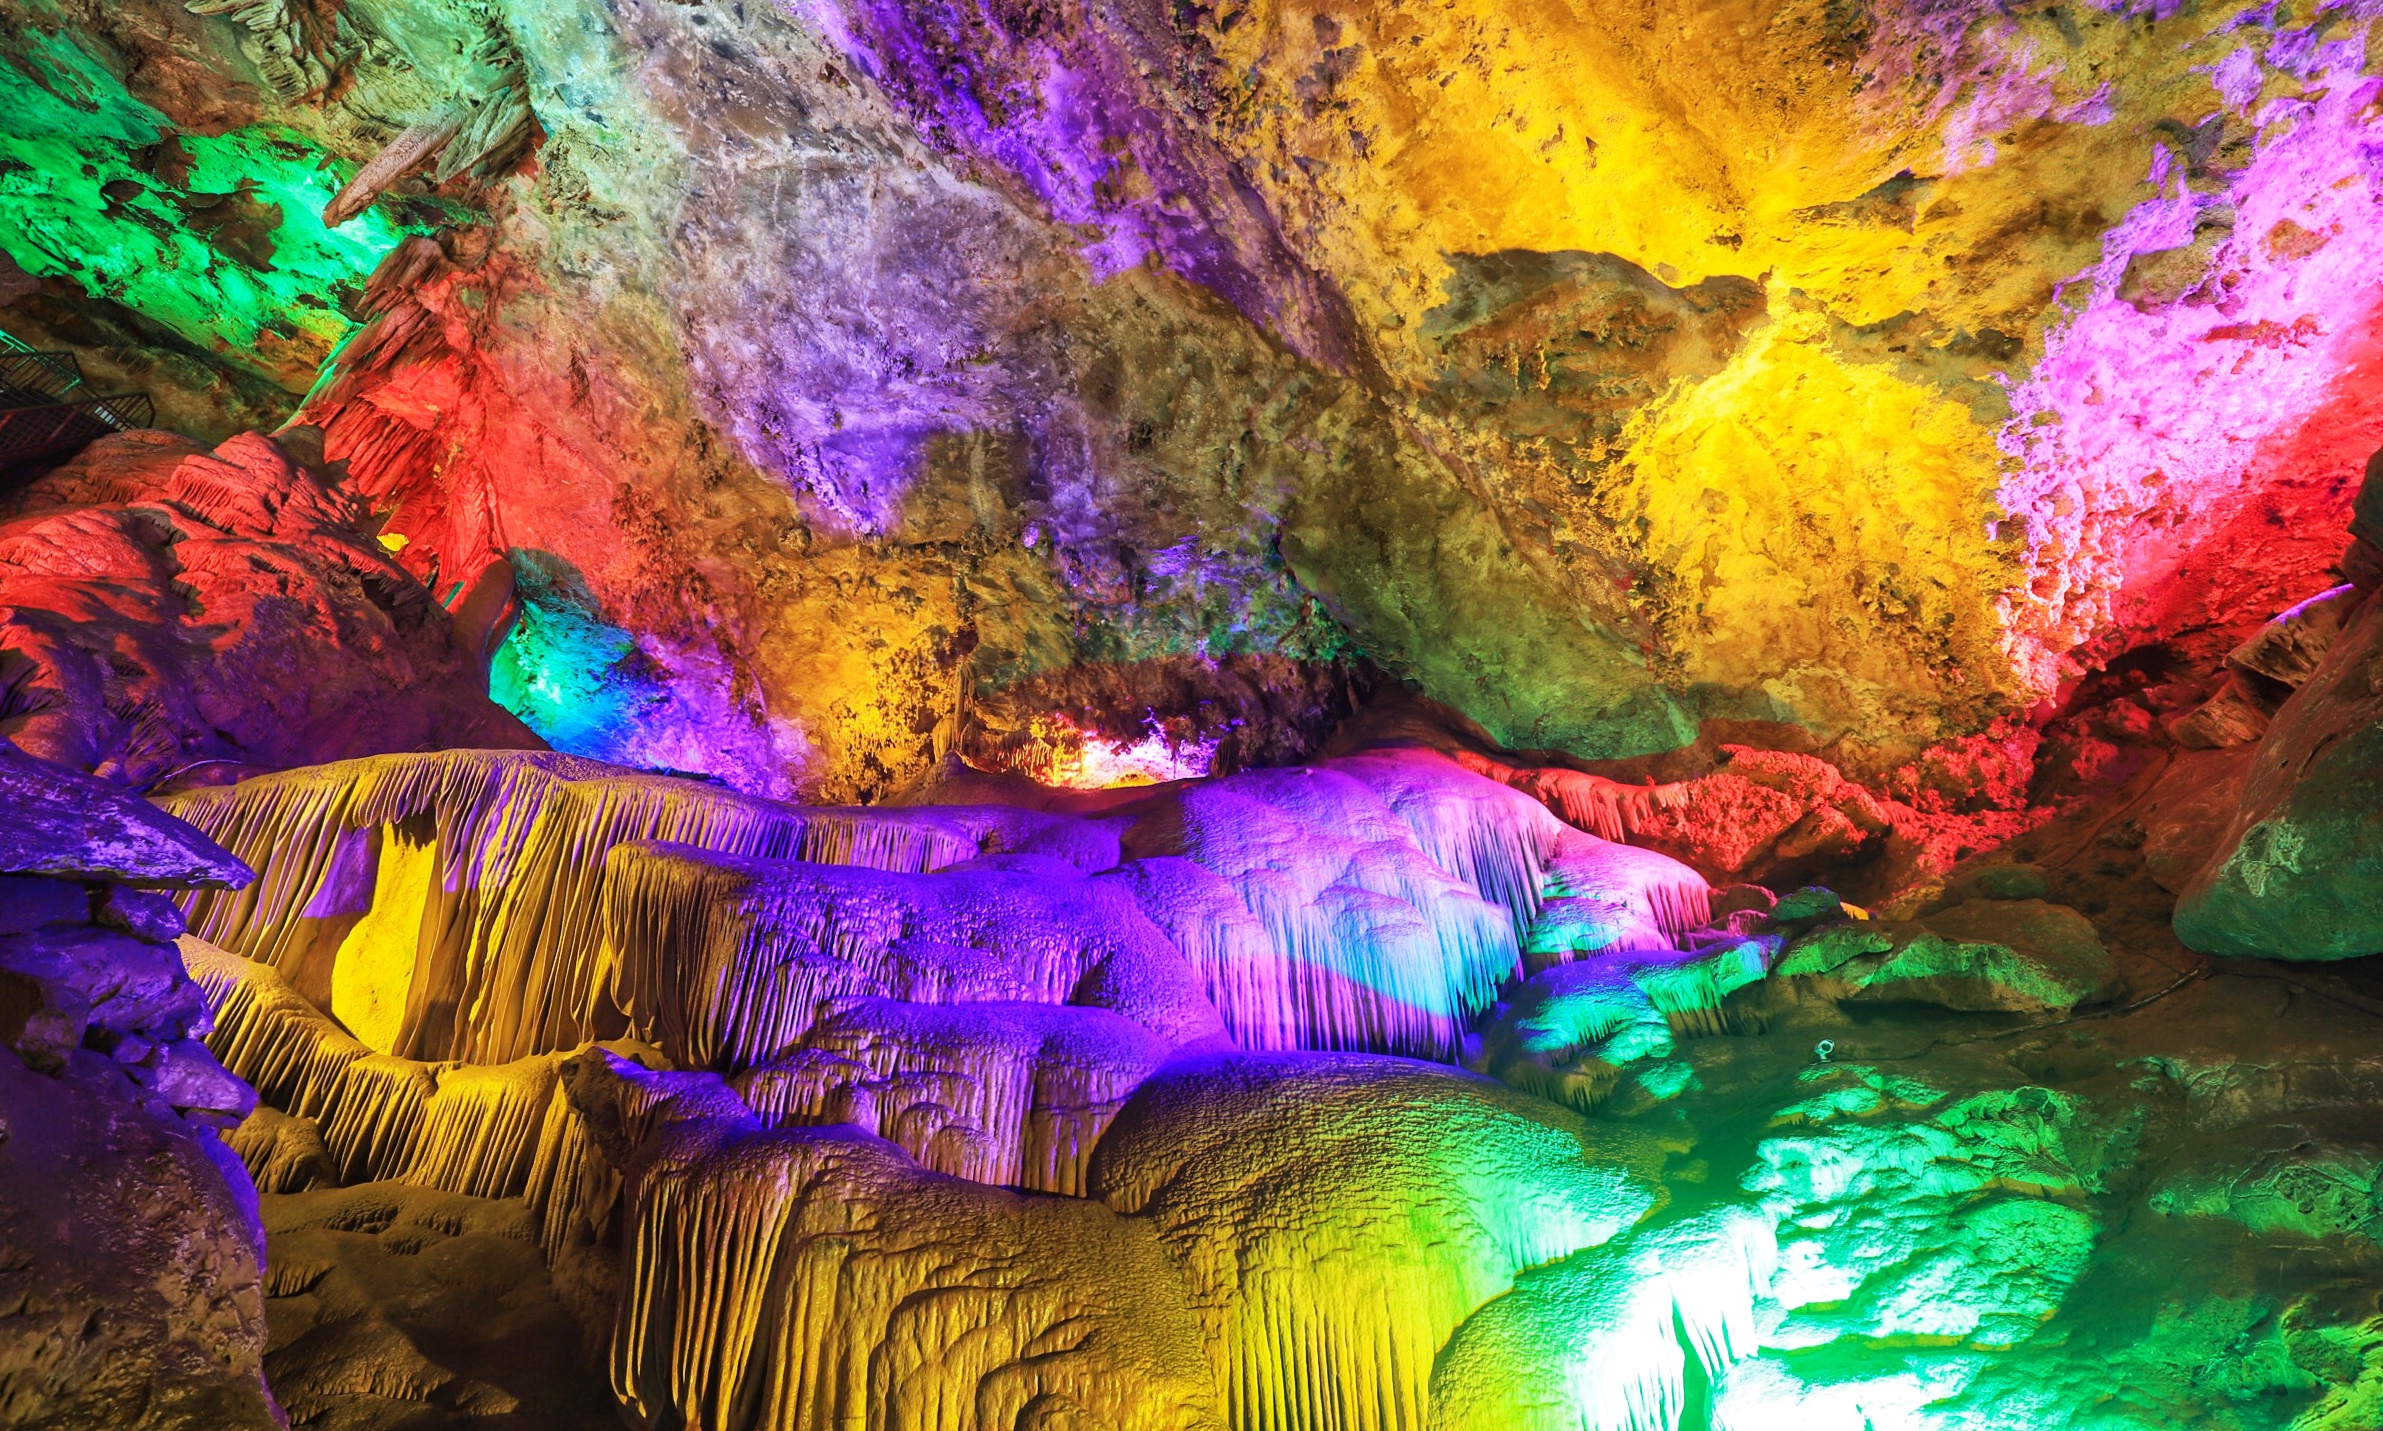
[61, 822]
[130, 1256]
[130, 1261]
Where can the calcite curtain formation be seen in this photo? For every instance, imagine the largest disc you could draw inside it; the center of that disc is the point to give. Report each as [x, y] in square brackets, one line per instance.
[980, 987]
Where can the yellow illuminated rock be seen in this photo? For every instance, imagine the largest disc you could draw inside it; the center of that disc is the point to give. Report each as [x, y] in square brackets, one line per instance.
[374, 970]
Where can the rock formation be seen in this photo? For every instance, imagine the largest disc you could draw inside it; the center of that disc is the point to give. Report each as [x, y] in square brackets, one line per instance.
[1272, 717]
[2297, 872]
[131, 1263]
[1449, 342]
[173, 613]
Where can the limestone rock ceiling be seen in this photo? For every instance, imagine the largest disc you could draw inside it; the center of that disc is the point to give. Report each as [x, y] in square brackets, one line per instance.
[1601, 370]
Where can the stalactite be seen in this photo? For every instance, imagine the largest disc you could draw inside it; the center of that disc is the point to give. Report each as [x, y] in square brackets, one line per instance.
[414, 145]
[301, 47]
[511, 961]
[1006, 1093]
[567, 1187]
[793, 1278]
[481, 1127]
[267, 1034]
[490, 137]
[725, 962]
[1385, 889]
[1381, 948]
[1494, 838]
[482, 1131]
[1667, 900]
[375, 1115]
[1689, 991]
[1260, 995]
[1608, 809]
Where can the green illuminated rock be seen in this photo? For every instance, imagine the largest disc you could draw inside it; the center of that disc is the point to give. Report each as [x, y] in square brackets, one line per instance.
[2298, 873]
[1980, 956]
[217, 237]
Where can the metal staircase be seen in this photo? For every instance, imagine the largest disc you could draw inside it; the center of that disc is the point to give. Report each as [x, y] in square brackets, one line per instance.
[46, 410]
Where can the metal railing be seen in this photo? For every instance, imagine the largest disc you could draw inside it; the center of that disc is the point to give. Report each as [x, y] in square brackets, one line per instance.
[31, 379]
[27, 433]
[45, 408]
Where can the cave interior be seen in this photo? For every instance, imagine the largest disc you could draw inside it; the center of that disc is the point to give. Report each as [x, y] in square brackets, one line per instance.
[1191, 715]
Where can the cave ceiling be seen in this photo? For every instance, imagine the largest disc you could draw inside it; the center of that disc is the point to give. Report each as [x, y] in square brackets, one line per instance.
[1860, 373]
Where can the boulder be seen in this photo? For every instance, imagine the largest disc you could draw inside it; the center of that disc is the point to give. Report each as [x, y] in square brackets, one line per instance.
[2298, 871]
[2290, 647]
[131, 1263]
[2022, 956]
[64, 823]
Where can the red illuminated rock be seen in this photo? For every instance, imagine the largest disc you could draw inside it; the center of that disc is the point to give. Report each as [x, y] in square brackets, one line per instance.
[171, 613]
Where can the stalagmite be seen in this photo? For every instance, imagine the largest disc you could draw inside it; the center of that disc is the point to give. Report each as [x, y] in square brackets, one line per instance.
[282, 1154]
[1338, 1216]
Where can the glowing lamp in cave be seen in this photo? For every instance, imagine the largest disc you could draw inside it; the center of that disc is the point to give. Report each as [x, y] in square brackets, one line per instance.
[1081, 760]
